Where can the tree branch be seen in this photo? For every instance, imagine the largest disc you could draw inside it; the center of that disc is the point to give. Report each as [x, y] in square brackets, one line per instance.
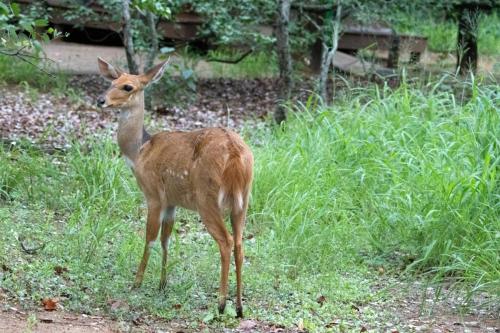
[231, 61]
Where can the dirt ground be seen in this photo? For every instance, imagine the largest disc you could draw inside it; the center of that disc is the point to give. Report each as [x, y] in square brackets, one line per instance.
[13, 320]
[404, 312]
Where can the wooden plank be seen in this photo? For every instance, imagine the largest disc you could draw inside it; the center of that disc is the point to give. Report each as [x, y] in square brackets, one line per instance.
[352, 65]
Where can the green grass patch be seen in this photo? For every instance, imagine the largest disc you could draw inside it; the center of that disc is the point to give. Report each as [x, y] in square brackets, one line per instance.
[404, 179]
[255, 65]
[32, 78]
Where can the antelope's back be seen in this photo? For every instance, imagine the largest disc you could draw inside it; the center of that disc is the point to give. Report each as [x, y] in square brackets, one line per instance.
[171, 165]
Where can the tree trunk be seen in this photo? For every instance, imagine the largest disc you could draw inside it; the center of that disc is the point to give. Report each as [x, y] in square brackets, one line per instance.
[284, 60]
[153, 52]
[328, 54]
[127, 38]
[467, 38]
[393, 60]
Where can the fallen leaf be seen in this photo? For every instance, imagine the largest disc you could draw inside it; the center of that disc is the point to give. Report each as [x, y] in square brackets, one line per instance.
[49, 304]
[354, 307]
[247, 325]
[177, 306]
[59, 270]
[321, 300]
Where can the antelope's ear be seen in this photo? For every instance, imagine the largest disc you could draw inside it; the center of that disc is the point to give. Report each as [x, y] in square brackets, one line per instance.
[107, 71]
[154, 74]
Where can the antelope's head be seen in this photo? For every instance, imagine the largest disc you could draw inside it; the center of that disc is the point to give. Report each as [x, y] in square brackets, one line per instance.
[126, 90]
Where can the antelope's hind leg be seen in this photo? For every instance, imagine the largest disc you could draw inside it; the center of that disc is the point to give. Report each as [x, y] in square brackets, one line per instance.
[238, 224]
[213, 219]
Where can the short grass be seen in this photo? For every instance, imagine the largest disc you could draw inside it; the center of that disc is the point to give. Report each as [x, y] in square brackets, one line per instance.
[406, 180]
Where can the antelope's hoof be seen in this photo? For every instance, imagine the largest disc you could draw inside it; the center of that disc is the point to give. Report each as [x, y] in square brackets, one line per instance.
[162, 285]
[239, 312]
[222, 307]
[136, 285]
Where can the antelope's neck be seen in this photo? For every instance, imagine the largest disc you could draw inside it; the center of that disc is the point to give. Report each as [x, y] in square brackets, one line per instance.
[130, 130]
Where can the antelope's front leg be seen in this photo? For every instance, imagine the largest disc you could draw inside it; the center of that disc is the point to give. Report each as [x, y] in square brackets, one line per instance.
[166, 230]
[152, 228]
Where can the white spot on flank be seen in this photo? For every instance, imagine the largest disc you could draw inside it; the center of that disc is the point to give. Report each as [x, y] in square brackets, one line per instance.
[239, 199]
[220, 199]
[186, 172]
[129, 162]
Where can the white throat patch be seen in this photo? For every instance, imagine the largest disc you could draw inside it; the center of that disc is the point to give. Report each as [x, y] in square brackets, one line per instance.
[129, 162]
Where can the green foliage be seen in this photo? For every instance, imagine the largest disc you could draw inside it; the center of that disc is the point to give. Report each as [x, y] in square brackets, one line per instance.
[234, 22]
[23, 29]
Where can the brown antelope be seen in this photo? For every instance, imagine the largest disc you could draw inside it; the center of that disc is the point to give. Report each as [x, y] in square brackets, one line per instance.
[207, 170]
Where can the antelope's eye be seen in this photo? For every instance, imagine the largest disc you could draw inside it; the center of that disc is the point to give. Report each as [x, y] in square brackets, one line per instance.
[128, 87]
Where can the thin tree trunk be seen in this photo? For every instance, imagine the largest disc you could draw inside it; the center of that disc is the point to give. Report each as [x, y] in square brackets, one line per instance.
[328, 54]
[127, 38]
[467, 52]
[284, 60]
[153, 52]
[393, 60]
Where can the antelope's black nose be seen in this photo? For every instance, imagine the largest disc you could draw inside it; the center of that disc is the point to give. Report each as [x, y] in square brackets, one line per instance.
[101, 101]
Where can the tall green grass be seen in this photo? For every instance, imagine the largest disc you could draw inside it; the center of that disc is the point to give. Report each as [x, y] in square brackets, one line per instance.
[408, 177]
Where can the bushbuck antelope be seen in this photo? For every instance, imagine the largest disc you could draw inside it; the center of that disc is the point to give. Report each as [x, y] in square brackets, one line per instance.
[207, 170]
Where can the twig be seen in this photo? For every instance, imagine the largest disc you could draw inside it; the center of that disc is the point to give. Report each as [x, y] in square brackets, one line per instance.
[231, 61]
